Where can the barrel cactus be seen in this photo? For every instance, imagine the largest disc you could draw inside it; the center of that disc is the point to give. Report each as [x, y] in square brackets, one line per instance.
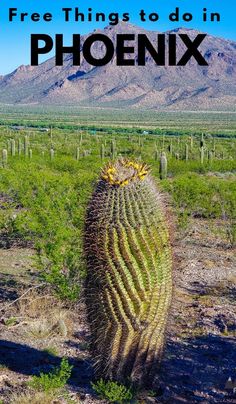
[129, 283]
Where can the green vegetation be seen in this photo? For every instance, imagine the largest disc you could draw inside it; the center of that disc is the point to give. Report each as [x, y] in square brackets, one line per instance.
[10, 321]
[112, 391]
[44, 195]
[54, 380]
[46, 182]
[51, 350]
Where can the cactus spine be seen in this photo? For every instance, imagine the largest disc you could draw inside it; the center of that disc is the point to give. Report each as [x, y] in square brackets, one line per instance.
[129, 284]
[163, 166]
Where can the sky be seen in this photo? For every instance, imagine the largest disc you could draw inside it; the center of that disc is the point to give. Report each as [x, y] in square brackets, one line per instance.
[15, 36]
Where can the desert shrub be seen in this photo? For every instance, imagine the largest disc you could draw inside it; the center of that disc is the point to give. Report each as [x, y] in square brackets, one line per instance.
[52, 217]
[112, 391]
[54, 380]
[206, 197]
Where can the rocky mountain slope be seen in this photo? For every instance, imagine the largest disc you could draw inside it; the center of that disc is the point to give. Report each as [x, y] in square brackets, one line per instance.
[190, 87]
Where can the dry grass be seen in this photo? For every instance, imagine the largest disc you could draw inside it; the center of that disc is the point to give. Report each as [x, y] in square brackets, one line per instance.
[55, 324]
[36, 304]
[35, 398]
[41, 316]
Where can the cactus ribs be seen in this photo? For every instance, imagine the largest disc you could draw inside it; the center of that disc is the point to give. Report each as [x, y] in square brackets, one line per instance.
[129, 283]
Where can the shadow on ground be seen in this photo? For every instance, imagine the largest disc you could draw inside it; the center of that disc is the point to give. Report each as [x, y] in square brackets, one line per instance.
[197, 369]
[193, 370]
[29, 361]
[8, 287]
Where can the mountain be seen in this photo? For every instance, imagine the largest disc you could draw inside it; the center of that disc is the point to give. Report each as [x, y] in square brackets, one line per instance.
[190, 87]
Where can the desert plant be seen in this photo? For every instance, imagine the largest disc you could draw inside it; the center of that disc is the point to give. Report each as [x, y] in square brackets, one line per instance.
[52, 153]
[53, 380]
[202, 154]
[4, 157]
[10, 321]
[51, 350]
[156, 155]
[26, 145]
[13, 148]
[163, 166]
[186, 152]
[77, 153]
[202, 141]
[191, 142]
[112, 391]
[113, 149]
[19, 147]
[129, 283]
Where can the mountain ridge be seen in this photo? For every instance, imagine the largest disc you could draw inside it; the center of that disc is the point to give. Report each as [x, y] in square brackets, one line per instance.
[148, 87]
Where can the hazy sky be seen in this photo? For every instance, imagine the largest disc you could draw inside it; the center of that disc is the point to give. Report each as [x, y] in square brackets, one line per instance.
[15, 36]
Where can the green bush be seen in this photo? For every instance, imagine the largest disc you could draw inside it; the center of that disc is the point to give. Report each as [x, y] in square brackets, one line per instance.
[53, 380]
[112, 391]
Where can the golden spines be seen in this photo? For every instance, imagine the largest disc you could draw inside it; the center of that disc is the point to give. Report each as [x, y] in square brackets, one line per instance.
[123, 172]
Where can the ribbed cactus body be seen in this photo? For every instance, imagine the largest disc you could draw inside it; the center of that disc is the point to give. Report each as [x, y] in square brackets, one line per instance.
[129, 283]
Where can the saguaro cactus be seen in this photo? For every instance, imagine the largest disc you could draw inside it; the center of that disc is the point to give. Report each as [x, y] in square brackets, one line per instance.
[202, 154]
[186, 152]
[13, 147]
[4, 157]
[77, 153]
[129, 284]
[19, 147]
[26, 145]
[170, 147]
[52, 154]
[202, 140]
[191, 142]
[156, 155]
[113, 149]
[163, 166]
